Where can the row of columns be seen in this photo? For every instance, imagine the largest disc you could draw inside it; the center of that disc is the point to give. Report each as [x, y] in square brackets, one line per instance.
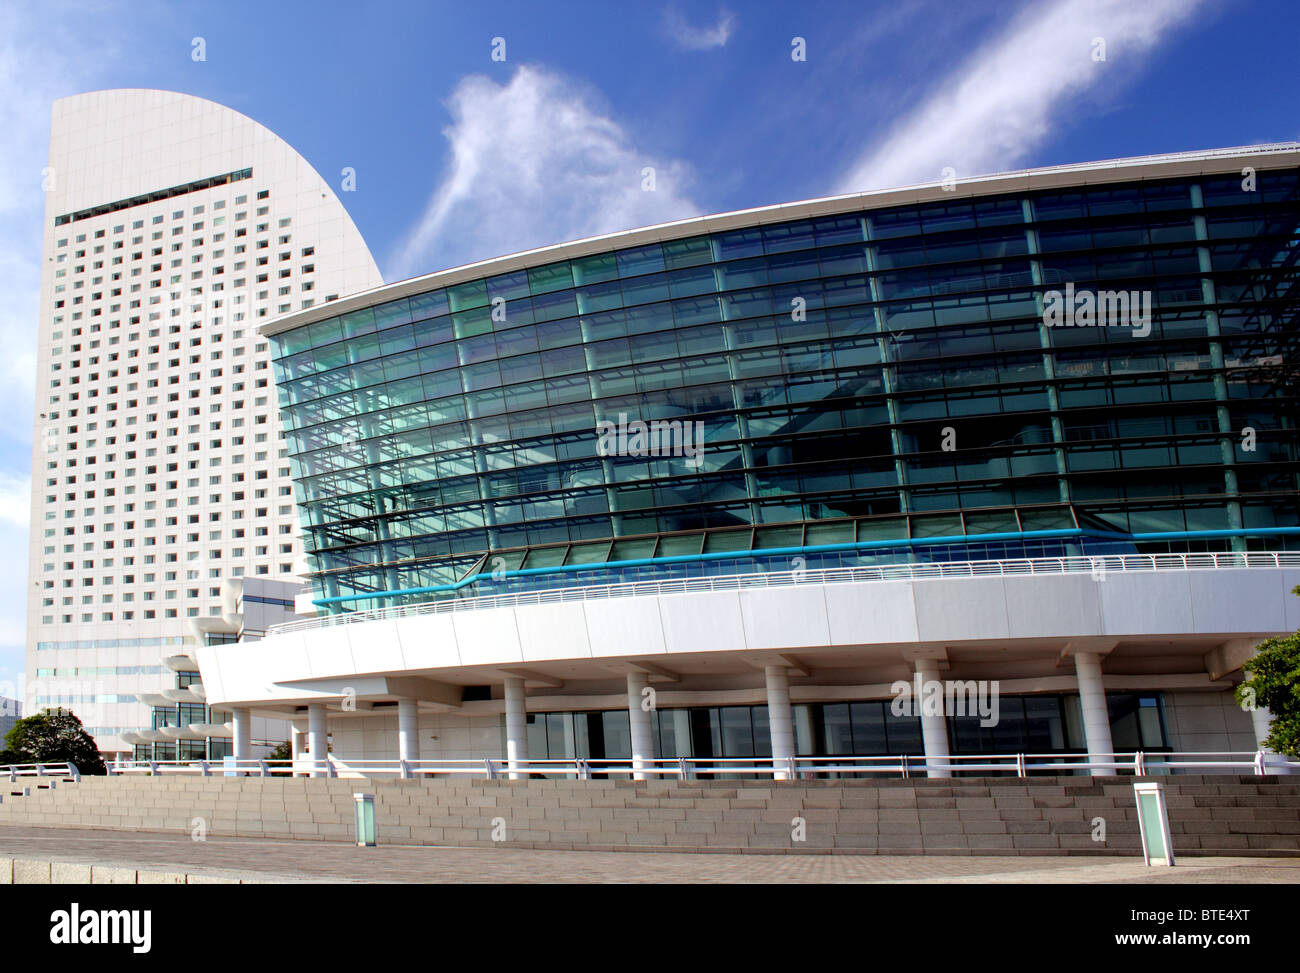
[1092, 703]
[642, 732]
[317, 734]
[934, 727]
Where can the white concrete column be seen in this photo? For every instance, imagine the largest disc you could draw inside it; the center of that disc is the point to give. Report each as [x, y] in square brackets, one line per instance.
[243, 721]
[934, 726]
[643, 741]
[317, 740]
[1259, 719]
[408, 729]
[1092, 704]
[295, 745]
[516, 728]
[779, 719]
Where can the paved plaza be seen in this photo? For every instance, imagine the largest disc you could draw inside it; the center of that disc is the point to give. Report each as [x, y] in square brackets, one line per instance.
[268, 860]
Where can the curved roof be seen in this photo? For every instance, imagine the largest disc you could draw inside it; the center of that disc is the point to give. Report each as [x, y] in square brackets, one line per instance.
[1268, 156]
[114, 145]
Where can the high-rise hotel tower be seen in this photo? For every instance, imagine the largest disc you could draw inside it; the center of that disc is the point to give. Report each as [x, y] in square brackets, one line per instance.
[173, 227]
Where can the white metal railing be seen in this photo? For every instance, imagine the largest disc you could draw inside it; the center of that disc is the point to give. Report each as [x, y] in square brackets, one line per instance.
[688, 768]
[63, 771]
[208, 768]
[1098, 566]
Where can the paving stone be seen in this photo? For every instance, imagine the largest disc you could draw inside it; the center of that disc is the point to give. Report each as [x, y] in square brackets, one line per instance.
[28, 872]
[69, 873]
[111, 875]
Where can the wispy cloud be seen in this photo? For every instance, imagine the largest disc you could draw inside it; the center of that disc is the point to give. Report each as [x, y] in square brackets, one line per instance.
[15, 512]
[15, 499]
[43, 56]
[28, 83]
[691, 38]
[532, 162]
[1008, 96]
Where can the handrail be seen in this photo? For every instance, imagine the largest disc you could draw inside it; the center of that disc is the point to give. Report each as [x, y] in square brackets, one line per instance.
[1098, 566]
[58, 770]
[1020, 764]
[255, 767]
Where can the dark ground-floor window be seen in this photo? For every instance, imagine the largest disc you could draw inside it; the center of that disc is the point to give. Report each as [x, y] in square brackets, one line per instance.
[1038, 724]
[218, 748]
[212, 749]
[1136, 722]
[192, 750]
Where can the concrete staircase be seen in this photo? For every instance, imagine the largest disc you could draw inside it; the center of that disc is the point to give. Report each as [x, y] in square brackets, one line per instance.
[1209, 815]
[26, 786]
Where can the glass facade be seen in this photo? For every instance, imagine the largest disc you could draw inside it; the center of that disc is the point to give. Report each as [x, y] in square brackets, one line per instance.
[875, 385]
[185, 714]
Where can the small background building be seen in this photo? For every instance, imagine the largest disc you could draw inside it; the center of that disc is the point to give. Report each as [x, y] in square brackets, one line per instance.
[11, 711]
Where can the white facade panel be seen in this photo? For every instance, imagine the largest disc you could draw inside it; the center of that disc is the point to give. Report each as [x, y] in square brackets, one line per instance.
[487, 638]
[1220, 610]
[1291, 604]
[1075, 611]
[702, 622]
[1160, 604]
[617, 629]
[331, 654]
[790, 617]
[428, 641]
[382, 652]
[553, 632]
[883, 614]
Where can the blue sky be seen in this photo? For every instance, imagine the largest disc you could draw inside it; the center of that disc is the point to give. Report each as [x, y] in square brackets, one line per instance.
[459, 157]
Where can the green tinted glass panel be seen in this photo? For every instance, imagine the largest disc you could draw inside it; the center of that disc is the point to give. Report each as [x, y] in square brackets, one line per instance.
[1152, 825]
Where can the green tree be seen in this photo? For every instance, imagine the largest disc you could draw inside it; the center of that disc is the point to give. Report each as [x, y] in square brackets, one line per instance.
[53, 736]
[282, 751]
[1274, 683]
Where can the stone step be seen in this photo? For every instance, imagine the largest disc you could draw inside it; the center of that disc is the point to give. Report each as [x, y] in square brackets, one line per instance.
[1208, 815]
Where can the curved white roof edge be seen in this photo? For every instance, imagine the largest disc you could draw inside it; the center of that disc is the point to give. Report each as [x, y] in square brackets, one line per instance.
[116, 144]
[1275, 155]
[1039, 614]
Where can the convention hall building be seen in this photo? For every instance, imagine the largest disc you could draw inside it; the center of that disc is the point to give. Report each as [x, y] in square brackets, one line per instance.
[765, 485]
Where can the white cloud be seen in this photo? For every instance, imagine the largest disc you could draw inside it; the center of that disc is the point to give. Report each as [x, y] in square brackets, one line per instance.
[13, 607]
[15, 499]
[26, 86]
[1008, 96]
[533, 162]
[43, 56]
[692, 38]
[13, 576]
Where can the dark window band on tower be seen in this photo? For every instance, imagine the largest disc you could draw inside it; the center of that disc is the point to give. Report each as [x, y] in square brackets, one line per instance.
[153, 197]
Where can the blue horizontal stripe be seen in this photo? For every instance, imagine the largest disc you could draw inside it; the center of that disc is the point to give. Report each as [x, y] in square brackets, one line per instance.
[816, 549]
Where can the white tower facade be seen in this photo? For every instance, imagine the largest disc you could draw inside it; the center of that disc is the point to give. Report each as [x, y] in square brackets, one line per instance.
[173, 227]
